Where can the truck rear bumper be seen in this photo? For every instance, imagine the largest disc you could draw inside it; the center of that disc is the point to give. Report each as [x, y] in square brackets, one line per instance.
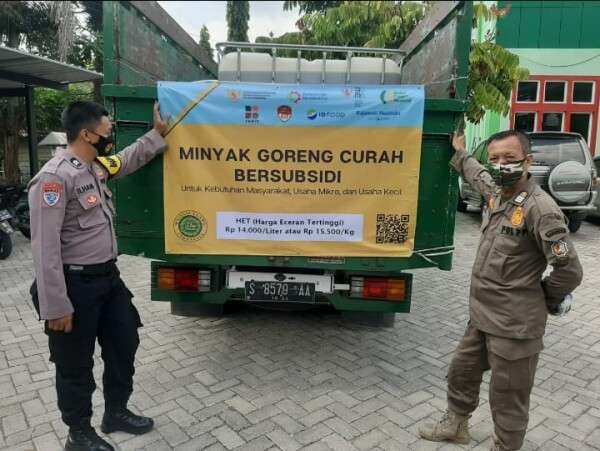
[344, 291]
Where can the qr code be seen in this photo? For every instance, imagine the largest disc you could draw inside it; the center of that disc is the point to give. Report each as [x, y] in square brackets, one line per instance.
[391, 228]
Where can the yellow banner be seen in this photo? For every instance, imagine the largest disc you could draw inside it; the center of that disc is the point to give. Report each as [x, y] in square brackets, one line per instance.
[293, 191]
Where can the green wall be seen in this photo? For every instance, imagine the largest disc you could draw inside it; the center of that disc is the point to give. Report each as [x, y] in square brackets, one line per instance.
[550, 24]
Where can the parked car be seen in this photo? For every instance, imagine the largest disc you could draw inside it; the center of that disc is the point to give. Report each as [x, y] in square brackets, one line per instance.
[595, 214]
[562, 166]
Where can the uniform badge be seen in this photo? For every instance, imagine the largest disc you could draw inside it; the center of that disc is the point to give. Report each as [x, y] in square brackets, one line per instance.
[91, 199]
[521, 197]
[517, 217]
[51, 193]
[75, 162]
[560, 249]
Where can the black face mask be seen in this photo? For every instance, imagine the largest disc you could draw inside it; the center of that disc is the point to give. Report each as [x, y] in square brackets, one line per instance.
[104, 145]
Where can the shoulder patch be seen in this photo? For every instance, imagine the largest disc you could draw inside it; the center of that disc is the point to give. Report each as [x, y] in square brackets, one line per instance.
[51, 192]
[560, 249]
[556, 231]
[112, 164]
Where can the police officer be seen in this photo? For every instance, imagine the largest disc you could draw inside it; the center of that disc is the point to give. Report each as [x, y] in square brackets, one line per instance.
[78, 291]
[523, 231]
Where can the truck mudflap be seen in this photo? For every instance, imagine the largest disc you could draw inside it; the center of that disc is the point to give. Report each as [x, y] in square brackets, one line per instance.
[275, 286]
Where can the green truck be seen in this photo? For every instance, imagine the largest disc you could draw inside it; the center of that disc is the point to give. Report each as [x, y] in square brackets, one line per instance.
[144, 45]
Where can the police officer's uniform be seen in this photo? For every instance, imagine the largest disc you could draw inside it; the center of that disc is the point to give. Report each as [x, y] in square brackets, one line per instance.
[74, 252]
[509, 301]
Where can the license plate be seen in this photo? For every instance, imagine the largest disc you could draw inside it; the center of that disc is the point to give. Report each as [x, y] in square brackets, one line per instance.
[4, 215]
[280, 291]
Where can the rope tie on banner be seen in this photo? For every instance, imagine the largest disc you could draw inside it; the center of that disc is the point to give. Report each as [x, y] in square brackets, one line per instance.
[190, 106]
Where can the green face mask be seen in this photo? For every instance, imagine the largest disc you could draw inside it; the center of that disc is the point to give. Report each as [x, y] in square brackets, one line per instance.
[506, 175]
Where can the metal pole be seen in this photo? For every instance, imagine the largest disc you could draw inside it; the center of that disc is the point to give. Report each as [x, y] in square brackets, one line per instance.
[31, 132]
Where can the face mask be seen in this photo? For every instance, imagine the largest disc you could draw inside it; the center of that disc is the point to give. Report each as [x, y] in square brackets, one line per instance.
[506, 175]
[104, 145]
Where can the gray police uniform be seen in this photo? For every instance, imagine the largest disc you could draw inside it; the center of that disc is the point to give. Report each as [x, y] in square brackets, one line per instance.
[74, 252]
[509, 300]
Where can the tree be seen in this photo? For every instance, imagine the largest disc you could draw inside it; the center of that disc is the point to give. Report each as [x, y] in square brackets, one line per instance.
[364, 23]
[94, 11]
[24, 25]
[293, 37]
[63, 15]
[204, 42]
[41, 28]
[493, 69]
[238, 15]
[307, 7]
[53, 102]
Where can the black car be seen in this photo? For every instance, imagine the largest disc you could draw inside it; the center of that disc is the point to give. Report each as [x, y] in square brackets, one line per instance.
[562, 166]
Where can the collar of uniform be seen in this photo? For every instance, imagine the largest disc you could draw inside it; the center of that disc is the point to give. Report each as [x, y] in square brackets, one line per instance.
[519, 198]
[498, 206]
[74, 160]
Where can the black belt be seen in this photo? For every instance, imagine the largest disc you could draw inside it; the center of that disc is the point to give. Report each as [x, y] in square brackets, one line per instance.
[100, 269]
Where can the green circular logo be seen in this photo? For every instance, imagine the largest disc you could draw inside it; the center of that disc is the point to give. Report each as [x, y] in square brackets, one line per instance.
[190, 225]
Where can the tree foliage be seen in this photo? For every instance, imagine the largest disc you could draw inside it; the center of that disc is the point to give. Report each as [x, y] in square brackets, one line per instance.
[493, 69]
[238, 15]
[54, 102]
[365, 23]
[35, 26]
[307, 7]
[204, 41]
[493, 72]
[293, 37]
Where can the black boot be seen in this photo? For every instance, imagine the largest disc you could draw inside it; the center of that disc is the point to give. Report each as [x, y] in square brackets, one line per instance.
[122, 419]
[83, 437]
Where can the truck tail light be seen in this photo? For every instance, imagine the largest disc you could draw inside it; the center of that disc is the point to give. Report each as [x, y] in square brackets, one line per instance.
[385, 288]
[183, 279]
[595, 181]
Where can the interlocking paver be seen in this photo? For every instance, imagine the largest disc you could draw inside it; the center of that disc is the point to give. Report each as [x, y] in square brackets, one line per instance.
[257, 380]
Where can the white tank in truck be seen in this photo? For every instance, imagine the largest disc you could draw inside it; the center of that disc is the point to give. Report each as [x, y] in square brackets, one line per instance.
[259, 67]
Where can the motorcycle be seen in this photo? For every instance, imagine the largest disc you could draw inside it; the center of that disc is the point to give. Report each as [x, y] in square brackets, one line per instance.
[6, 231]
[14, 215]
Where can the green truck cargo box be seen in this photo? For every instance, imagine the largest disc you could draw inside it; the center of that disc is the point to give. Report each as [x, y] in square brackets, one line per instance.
[143, 45]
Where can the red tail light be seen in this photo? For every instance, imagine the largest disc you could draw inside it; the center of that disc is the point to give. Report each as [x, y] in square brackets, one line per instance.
[386, 288]
[183, 279]
[187, 279]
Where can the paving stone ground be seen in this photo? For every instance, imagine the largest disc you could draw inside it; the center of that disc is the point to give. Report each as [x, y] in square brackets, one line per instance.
[255, 380]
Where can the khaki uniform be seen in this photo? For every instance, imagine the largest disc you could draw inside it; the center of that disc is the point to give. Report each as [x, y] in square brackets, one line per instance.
[71, 215]
[509, 300]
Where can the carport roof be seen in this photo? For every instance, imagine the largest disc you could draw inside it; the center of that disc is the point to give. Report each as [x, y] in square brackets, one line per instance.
[19, 69]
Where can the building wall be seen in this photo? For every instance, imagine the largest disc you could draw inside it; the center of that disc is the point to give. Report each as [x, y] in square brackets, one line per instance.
[555, 40]
[44, 154]
[550, 25]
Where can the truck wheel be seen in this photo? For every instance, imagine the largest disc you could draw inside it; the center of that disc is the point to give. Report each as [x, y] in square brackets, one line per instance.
[461, 205]
[5, 245]
[574, 224]
[373, 319]
[196, 309]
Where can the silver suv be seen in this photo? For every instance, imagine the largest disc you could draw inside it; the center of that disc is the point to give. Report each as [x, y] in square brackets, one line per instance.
[562, 166]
